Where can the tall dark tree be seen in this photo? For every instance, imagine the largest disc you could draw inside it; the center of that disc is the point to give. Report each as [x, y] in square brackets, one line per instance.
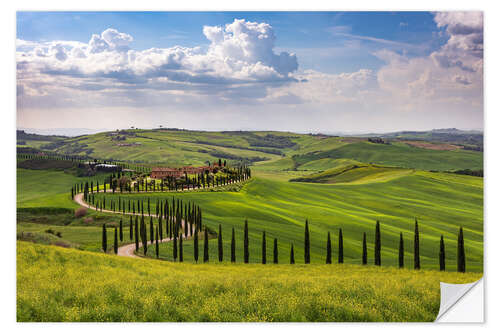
[144, 236]
[160, 227]
[219, 244]
[233, 247]
[196, 245]
[175, 247]
[264, 248]
[328, 249]
[115, 244]
[307, 245]
[416, 247]
[246, 254]
[442, 257]
[157, 247]
[401, 251]
[121, 230]
[364, 256]
[378, 260]
[104, 238]
[275, 251]
[205, 246]
[292, 255]
[136, 234]
[341, 247]
[151, 229]
[181, 249]
[461, 252]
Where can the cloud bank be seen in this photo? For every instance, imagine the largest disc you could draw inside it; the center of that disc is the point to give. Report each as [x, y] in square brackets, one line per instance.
[240, 81]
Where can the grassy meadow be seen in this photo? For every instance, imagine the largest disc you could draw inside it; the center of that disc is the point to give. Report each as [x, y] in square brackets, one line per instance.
[281, 208]
[56, 284]
[333, 182]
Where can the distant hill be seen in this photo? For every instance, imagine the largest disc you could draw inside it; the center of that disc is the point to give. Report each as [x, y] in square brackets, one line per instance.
[63, 131]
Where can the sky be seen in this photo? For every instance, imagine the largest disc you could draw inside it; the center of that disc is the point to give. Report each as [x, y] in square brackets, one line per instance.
[327, 72]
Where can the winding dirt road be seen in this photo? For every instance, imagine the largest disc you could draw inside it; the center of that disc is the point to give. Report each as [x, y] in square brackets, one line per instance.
[127, 250]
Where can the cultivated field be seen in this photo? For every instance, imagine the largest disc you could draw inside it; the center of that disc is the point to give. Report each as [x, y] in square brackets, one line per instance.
[333, 182]
[55, 284]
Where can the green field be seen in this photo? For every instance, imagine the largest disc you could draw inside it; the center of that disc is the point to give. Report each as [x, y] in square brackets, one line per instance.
[55, 284]
[441, 202]
[333, 182]
[181, 147]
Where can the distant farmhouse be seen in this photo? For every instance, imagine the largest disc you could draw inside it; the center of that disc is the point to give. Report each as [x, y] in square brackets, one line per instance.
[160, 173]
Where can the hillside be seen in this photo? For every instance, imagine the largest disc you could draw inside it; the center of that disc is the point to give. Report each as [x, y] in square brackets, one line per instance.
[281, 150]
[441, 202]
[356, 173]
[55, 284]
[398, 154]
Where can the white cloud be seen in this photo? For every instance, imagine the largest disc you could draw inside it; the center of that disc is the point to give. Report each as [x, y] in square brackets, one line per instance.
[464, 49]
[241, 73]
[239, 52]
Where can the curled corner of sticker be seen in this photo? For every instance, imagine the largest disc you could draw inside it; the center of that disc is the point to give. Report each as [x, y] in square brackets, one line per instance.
[461, 302]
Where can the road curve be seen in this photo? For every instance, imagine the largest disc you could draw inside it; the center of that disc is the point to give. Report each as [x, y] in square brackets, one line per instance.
[127, 250]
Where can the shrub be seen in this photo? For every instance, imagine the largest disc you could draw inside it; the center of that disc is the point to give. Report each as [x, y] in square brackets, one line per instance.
[80, 212]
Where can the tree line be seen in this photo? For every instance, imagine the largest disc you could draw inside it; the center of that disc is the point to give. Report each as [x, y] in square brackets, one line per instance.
[176, 235]
[121, 182]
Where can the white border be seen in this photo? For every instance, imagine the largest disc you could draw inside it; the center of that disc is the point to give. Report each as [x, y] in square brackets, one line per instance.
[8, 123]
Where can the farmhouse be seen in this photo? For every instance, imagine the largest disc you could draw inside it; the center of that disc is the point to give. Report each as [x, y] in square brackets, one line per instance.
[159, 173]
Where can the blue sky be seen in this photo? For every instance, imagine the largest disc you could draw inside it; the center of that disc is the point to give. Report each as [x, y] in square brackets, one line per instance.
[336, 49]
[295, 31]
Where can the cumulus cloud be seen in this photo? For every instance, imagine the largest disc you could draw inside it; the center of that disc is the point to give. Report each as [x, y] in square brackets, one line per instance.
[464, 48]
[239, 52]
[241, 73]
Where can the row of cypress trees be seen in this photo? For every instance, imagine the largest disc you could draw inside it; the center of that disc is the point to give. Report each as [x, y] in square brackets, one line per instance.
[155, 236]
[200, 181]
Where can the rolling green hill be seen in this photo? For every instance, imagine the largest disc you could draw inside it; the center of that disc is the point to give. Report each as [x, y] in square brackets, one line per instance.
[441, 202]
[55, 284]
[400, 155]
[270, 150]
[356, 173]
[345, 183]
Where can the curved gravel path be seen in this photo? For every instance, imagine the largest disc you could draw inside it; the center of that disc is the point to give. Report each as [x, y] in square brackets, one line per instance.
[127, 250]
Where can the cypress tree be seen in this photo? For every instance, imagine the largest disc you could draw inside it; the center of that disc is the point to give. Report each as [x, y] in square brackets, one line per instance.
[144, 236]
[233, 247]
[307, 245]
[196, 245]
[115, 245]
[175, 247]
[205, 246]
[121, 230]
[160, 226]
[292, 256]
[401, 251]
[219, 243]
[378, 261]
[364, 257]
[151, 229]
[275, 251]
[328, 249]
[461, 252]
[181, 249]
[157, 247]
[442, 265]
[341, 247]
[136, 230]
[131, 228]
[416, 247]
[246, 254]
[264, 248]
[104, 239]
